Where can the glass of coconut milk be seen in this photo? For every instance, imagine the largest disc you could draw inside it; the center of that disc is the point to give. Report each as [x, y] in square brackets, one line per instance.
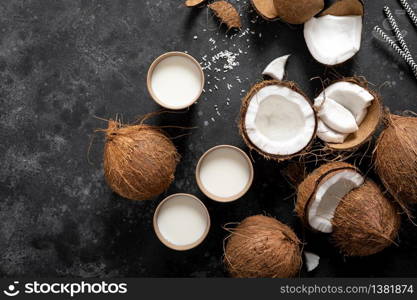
[224, 173]
[181, 222]
[175, 80]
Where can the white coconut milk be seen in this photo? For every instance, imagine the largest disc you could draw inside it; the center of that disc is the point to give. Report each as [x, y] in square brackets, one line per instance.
[225, 172]
[176, 81]
[182, 220]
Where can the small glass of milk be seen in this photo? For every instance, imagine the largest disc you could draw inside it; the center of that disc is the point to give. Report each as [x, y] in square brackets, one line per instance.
[181, 222]
[175, 80]
[224, 173]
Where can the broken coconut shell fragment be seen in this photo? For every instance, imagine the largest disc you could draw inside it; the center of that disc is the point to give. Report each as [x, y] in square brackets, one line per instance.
[334, 37]
[297, 11]
[265, 8]
[277, 120]
[193, 3]
[139, 160]
[347, 92]
[337, 199]
[226, 13]
[262, 247]
[395, 158]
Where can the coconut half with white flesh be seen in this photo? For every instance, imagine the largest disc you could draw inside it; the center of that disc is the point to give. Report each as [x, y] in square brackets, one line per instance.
[334, 36]
[365, 110]
[277, 120]
[337, 199]
[276, 68]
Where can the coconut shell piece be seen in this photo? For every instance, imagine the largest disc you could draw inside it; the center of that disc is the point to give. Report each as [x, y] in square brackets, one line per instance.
[262, 247]
[298, 11]
[193, 3]
[139, 160]
[227, 13]
[307, 189]
[345, 8]
[368, 126]
[265, 8]
[395, 158]
[365, 222]
[245, 104]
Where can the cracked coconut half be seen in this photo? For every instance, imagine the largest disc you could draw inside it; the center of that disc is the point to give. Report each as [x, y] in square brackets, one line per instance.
[334, 36]
[337, 199]
[277, 120]
[348, 114]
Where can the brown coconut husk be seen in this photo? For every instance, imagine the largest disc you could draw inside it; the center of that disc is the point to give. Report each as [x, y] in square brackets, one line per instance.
[265, 8]
[345, 8]
[262, 247]
[139, 160]
[307, 189]
[369, 125]
[193, 3]
[245, 103]
[298, 11]
[227, 13]
[365, 222]
[395, 158]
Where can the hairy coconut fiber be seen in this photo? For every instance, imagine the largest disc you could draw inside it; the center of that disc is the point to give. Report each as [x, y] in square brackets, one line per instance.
[345, 8]
[365, 222]
[265, 8]
[139, 160]
[244, 107]
[368, 126]
[262, 247]
[227, 13]
[308, 187]
[298, 11]
[193, 3]
[396, 158]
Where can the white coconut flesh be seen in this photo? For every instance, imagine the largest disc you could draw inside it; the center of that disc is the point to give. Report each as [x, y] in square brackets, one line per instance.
[333, 40]
[350, 95]
[276, 69]
[353, 98]
[329, 135]
[312, 260]
[337, 117]
[279, 120]
[328, 196]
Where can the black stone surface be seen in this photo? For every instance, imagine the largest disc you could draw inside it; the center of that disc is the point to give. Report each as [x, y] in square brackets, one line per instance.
[64, 65]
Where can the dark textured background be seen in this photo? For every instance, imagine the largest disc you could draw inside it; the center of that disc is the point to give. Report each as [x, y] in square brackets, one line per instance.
[65, 64]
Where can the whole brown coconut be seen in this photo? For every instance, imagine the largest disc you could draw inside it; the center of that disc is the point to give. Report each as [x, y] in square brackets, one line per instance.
[365, 222]
[396, 158]
[139, 160]
[298, 11]
[262, 247]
